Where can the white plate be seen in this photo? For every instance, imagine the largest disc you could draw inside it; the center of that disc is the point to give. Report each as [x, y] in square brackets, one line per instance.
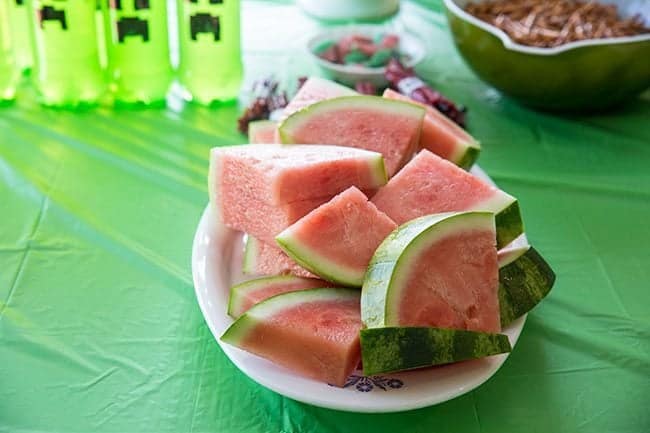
[216, 265]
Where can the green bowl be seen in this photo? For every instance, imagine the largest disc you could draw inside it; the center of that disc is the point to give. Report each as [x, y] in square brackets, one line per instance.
[585, 75]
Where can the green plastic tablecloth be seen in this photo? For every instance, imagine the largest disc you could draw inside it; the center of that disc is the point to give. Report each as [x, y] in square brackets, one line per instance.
[100, 330]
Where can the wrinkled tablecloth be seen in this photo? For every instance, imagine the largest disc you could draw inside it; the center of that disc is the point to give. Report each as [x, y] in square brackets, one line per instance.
[100, 330]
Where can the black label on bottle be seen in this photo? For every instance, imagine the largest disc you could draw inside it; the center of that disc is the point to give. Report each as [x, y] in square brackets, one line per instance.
[49, 13]
[204, 23]
[132, 27]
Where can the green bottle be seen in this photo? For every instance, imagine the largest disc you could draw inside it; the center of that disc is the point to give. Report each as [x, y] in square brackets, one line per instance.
[20, 34]
[67, 69]
[137, 44]
[8, 70]
[101, 31]
[210, 68]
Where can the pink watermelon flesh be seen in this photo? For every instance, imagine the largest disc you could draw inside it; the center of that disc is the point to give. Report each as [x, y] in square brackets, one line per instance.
[262, 189]
[263, 132]
[257, 295]
[429, 184]
[337, 240]
[394, 136]
[319, 340]
[454, 284]
[265, 221]
[271, 260]
[439, 134]
[314, 90]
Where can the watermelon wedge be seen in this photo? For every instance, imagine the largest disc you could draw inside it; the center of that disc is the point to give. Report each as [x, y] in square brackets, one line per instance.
[262, 131]
[313, 332]
[429, 184]
[524, 280]
[261, 189]
[385, 350]
[442, 136]
[261, 258]
[389, 127]
[313, 90]
[436, 271]
[244, 295]
[337, 240]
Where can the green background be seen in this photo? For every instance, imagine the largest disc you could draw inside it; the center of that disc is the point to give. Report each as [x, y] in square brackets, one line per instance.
[100, 330]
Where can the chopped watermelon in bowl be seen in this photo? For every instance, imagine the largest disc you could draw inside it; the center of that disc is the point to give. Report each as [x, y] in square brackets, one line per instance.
[366, 68]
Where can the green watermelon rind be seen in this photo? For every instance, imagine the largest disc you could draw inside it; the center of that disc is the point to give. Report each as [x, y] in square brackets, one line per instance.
[251, 252]
[316, 263]
[509, 224]
[246, 323]
[523, 283]
[471, 152]
[379, 170]
[390, 266]
[255, 126]
[391, 349]
[238, 291]
[507, 216]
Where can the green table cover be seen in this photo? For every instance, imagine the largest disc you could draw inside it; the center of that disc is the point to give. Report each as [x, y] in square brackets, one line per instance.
[100, 330]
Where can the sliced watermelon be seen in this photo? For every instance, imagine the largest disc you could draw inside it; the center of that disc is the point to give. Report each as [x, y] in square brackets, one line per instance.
[429, 184]
[313, 90]
[261, 258]
[438, 271]
[262, 131]
[337, 240]
[389, 127]
[524, 280]
[442, 136]
[244, 295]
[386, 350]
[313, 332]
[261, 189]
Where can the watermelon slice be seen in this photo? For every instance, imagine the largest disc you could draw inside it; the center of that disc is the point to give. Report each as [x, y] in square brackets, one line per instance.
[389, 127]
[438, 271]
[314, 90]
[261, 189]
[244, 295]
[261, 258]
[337, 240]
[314, 332]
[429, 184]
[442, 136]
[385, 350]
[524, 280]
[262, 131]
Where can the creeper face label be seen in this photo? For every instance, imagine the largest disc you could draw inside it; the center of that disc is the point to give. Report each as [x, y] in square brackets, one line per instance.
[51, 13]
[131, 18]
[204, 23]
[204, 19]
